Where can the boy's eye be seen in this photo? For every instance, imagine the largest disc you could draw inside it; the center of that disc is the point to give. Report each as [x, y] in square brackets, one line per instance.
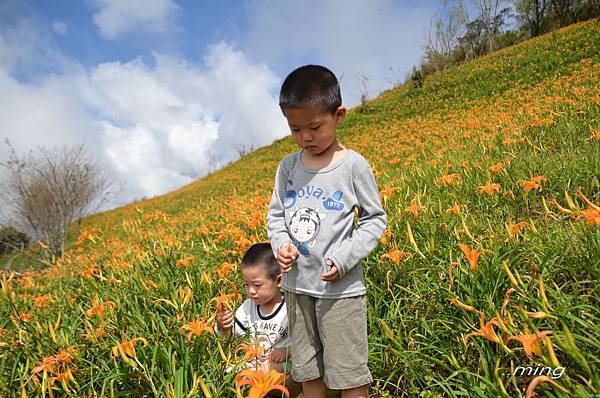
[315, 127]
[295, 130]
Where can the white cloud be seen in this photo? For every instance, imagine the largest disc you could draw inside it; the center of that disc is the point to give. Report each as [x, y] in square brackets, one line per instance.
[60, 27]
[26, 48]
[168, 124]
[160, 124]
[379, 38]
[117, 17]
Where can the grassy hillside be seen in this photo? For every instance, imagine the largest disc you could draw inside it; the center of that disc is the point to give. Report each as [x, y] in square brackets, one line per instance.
[488, 173]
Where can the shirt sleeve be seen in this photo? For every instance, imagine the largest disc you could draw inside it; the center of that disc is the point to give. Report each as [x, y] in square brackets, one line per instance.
[276, 228]
[371, 225]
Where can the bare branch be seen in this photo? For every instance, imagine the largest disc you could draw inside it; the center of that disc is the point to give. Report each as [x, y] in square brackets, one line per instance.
[49, 189]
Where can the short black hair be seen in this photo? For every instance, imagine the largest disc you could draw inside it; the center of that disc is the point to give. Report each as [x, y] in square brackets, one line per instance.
[261, 254]
[311, 86]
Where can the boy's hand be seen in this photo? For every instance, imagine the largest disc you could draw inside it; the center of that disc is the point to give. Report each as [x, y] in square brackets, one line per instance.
[332, 275]
[286, 256]
[225, 320]
[279, 355]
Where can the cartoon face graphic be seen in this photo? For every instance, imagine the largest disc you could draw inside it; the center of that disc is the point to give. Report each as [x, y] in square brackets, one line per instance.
[265, 340]
[305, 224]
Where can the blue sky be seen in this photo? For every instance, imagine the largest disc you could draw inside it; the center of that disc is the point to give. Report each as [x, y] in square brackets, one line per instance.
[165, 91]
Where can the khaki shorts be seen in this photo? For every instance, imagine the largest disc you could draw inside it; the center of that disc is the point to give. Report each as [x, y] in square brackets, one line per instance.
[329, 339]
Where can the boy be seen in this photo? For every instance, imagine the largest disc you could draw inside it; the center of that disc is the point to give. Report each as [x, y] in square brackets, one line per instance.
[263, 315]
[311, 225]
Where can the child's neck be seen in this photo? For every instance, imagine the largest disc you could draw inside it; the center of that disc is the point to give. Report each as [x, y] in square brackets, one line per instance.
[268, 307]
[325, 159]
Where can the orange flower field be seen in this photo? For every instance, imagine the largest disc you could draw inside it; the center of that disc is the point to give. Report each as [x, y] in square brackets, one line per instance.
[488, 271]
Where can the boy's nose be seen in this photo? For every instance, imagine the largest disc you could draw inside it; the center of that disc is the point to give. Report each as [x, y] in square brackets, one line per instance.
[307, 137]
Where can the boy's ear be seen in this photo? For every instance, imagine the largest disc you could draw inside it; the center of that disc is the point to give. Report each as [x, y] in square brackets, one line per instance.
[279, 281]
[340, 114]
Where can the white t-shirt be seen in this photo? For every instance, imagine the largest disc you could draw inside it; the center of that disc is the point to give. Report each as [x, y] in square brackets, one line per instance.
[270, 330]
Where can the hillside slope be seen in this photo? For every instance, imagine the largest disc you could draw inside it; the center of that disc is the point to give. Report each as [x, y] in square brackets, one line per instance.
[488, 173]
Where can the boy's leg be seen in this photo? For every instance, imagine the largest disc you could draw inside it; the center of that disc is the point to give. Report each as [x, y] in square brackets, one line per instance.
[358, 392]
[307, 350]
[343, 331]
[314, 388]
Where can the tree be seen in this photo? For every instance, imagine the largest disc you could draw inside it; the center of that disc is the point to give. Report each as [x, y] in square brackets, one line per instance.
[50, 189]
[483, 33]
[443, 34]
[532, 14]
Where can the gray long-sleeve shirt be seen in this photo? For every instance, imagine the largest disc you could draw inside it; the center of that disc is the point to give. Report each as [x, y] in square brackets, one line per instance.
[314, 209]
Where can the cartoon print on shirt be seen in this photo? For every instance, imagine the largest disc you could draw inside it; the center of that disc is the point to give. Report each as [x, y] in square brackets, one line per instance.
[305, 224]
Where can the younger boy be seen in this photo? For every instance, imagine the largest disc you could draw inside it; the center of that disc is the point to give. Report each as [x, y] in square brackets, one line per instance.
[263, 315]
[311, 225]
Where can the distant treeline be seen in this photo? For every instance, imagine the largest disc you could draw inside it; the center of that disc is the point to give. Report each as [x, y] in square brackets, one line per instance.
[454, 38]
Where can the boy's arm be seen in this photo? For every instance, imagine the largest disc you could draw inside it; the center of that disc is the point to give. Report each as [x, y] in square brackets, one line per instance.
[241, 323]
[276, 228]
[372, 222]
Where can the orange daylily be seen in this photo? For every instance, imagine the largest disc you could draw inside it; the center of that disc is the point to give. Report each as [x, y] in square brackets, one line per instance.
[90, 271]
[449, 179]
[532, 183]
[150, 283]
[592, 214]
[414, 208]
[471, 255]
[462, 305]
[225, 269]
[251, 350]
[506, 300]
[261, 381]
[224, 301]
[387, 193]
[533, 384]
[514, 229]
[385, 236]
[185, 262]
[485, 330]
[86, 235]
[396, 256]
[454, 209]
[196, 328]
[41, 301]
[98, 309]
[595, 134]
[56, 364]
[531, 341]
[127, 350]
[497, 167]
[490, 189]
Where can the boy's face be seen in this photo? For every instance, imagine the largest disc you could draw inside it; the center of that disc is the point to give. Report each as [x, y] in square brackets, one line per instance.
[314, 130]
[259, 287]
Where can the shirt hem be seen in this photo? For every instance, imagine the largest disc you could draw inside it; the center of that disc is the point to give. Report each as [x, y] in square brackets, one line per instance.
[352, 293]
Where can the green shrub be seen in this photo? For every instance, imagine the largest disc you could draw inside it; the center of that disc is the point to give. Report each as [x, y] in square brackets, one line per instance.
[10, 237]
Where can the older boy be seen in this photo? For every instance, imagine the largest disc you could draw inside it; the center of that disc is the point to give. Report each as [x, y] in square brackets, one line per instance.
[312, 228]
